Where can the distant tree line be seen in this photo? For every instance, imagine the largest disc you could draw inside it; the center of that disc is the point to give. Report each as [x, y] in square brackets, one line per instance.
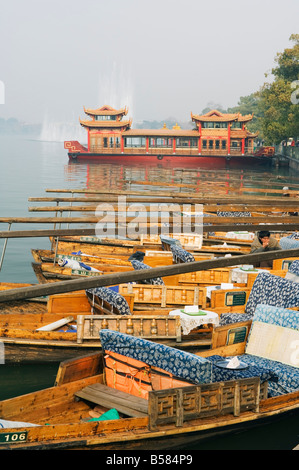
[14, 126]
[275, 106]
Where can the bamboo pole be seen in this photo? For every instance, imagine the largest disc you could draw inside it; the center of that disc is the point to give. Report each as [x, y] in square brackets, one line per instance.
[135, 276]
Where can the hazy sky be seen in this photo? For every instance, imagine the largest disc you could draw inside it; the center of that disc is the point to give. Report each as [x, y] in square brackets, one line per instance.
[161, 58]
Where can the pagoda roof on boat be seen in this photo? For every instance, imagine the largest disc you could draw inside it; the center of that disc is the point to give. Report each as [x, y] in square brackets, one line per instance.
[105, 124]
[106, 111]
[252, 134]
[214, 115]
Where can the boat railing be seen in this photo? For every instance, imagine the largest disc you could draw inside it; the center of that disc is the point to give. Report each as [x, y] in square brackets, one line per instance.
[155, 327]
[178, 405]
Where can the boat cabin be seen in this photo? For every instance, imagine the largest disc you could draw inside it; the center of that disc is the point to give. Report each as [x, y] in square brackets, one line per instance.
[214, 134]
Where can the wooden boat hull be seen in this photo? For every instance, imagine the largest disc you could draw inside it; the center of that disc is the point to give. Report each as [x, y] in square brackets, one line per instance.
[122, 434]
[35, 352]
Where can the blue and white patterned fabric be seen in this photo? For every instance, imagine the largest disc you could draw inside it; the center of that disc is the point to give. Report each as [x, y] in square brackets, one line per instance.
[294, 236]
[272, 290]
[293, 271]
[139, 265]
[287, 243]
[113, 298]
[255, 370]
[282, 378]
[229, 318]
[233, 214]
[179, 253]
[294, 267]
[277, 316]
[181, 364]
[288, 376]
[267, 289]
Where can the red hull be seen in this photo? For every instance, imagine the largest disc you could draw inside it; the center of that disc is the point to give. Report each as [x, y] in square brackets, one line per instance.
[170, 160]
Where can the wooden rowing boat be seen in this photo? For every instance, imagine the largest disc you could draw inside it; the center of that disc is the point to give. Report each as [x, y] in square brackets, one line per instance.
[60, 326]
[91, 406]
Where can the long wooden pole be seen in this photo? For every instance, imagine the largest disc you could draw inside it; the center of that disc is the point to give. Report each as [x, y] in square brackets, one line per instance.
[135, 276]
[207, 208]
[140, 219]
[191, 194]
[92, 231]
[178, 197]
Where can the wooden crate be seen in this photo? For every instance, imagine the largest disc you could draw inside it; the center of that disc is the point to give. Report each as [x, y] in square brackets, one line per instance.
[153, 327]
[164, 295]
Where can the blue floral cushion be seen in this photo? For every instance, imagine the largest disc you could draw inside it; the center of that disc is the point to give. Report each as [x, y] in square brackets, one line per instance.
[283, 378]
[288, 376]
[180, 254]
[294, 267]
[268, 290]
[220, 374]
[139, 265]
[233, 214]
[272, 290]
[287, 243]
[294, 235]
[113, 298]
[181, 364]
[277, 316]
[229, 318]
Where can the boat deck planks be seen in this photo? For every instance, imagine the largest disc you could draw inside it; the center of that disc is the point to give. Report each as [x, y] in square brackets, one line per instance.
[111, 398]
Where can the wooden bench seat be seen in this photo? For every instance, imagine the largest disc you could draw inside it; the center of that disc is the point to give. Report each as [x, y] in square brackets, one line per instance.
[109, 397]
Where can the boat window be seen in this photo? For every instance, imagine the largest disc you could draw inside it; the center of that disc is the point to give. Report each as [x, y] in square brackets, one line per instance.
[105, 118]
[236, 125]
[215, 125]
[204, 144]
[134, 141]
[217, 144]
[211, 144]
[223, 144]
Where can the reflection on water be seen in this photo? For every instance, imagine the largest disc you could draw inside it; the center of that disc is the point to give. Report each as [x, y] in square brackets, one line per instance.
[16, 379]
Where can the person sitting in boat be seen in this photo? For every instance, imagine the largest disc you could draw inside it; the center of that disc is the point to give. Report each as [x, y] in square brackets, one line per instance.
[263, 242]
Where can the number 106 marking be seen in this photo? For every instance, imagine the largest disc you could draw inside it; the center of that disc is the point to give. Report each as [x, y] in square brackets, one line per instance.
[13, 437]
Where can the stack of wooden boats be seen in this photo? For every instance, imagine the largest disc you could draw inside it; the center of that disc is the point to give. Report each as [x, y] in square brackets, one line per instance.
[137, 394]
[150, 305]
[63, 316]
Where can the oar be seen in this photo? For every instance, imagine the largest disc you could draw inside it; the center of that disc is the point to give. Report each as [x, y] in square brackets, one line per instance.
[135, 276]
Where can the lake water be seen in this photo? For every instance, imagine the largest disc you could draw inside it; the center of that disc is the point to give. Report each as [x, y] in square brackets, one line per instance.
[28, 168]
